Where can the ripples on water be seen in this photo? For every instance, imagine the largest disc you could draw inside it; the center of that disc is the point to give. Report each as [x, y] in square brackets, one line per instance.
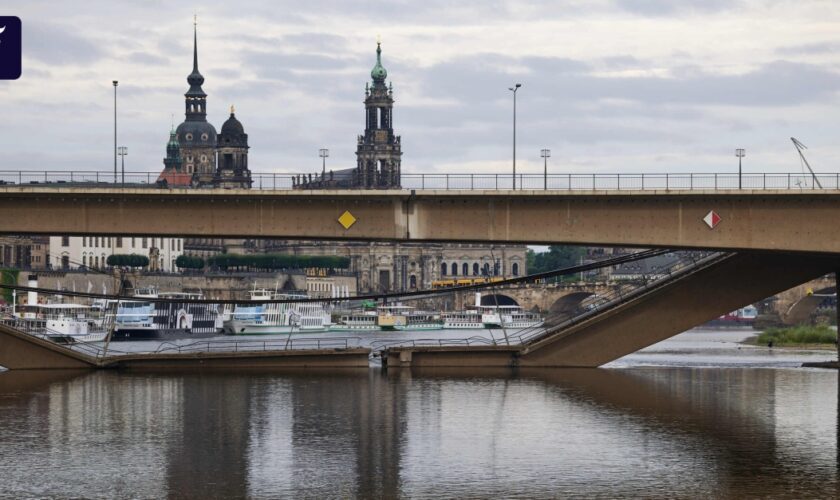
[629, 432]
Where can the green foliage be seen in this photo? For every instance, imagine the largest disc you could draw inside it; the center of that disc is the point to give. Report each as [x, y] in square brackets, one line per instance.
[557, 257]
[798, 335]
[274, 261]
[189, 262]
[127, 260]
[8, 277]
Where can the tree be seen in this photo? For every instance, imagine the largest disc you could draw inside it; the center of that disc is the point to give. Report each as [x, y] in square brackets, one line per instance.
[276, 261]
[127, 260]
[189, 262]
[557, 257]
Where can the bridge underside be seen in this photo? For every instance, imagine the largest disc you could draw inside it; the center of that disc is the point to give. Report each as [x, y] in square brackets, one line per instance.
[692, 300]
[800, 221]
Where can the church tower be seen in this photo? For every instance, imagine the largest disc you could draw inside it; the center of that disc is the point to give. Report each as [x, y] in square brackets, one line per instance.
[173, 162]
[233, 155]
[378, 150]
[195, 135]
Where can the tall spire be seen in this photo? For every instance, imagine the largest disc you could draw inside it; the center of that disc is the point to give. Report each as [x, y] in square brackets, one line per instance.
[196, 105]
[195, 43]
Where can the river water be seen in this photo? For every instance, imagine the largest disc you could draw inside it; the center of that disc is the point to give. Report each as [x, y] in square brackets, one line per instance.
[699, 415]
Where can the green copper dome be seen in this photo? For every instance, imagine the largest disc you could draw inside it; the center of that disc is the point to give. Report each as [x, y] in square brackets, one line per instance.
[173, 139]
[378, 72]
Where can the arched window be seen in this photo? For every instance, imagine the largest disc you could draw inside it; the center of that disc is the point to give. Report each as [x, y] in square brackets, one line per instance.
[465, 269]
[454, 269]
[97, 262]
[84, 259]
[515, 269]
[443, 269]
[486, 270]
[412, 281]
[475, 268]
[496, 268]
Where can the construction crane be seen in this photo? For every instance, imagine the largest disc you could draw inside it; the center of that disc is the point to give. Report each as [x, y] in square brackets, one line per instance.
[799, 147]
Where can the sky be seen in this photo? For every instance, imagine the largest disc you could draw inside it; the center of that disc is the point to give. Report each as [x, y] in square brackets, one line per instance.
[610, 86]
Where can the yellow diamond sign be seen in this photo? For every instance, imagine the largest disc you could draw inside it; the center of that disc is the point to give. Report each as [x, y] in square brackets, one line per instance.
[346, 219]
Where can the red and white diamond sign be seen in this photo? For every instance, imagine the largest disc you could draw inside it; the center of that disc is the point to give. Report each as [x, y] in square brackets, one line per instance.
[712, 219]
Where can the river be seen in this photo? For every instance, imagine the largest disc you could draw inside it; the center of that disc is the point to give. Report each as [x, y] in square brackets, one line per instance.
[699, 415]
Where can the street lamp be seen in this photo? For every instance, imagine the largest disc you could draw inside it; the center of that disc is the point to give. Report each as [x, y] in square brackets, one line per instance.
[545, 154]
[122, 151]
[115, 130]
[514, 89]
[323, 153]
[740, 153]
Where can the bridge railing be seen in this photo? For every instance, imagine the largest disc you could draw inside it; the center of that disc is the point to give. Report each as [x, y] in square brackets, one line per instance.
[464, 182]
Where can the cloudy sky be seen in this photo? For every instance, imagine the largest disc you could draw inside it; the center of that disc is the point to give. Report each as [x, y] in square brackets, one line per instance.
[609, 85]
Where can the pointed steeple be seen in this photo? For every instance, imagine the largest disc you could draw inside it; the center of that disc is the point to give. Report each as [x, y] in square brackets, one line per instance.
[196, 99]
[195, 79]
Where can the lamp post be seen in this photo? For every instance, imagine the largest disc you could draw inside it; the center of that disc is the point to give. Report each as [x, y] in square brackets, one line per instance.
[545, 154]
[740, 153]
[115, 131]
[323, 153]
[514, 89]
[122, 151]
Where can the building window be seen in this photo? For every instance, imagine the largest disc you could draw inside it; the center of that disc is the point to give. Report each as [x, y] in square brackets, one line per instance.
[65, 262]
[486, 270]
[189, 137]
[84, 241]
[96, 262]
[65, 241]
[496, 268]
[145, 242]
[443, 269]
[475, 269]
[84, 260]
[465, 269]
[204, 137]
[515, 269]
[454, 269]
[132, 242]
[412, 281]
[119, 241]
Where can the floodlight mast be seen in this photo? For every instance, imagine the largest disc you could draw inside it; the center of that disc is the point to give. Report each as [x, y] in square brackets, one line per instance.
[799, 147]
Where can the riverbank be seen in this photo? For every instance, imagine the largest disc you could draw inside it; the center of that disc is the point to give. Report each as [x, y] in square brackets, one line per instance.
[802, 337]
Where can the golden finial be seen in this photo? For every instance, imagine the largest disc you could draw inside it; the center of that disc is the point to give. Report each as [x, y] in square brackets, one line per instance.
[231, 109]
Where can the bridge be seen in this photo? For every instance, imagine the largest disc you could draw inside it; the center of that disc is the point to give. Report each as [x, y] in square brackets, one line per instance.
[774, 219]
[776, 234]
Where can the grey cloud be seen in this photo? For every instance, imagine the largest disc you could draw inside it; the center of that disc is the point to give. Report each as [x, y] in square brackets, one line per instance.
[670, 7]
[810, 48]
[55, 44]
[147, 58]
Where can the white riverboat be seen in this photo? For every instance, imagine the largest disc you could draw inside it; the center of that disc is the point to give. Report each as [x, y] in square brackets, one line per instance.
[357, 321]
[144, 317]
[274, 318]
[406, 318]
[481, 316]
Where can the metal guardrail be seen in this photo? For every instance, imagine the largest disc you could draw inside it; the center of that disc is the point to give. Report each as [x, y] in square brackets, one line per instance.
[465, 182]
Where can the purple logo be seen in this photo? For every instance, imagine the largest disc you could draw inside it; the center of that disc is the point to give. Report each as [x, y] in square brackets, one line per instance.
[10, 48]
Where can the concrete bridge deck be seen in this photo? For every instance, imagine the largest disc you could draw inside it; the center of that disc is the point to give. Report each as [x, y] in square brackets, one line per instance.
[778, 220]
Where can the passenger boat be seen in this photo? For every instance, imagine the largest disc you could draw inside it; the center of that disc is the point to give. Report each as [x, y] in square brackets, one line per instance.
[469, 319]
[356, 321]
[275, 318]
[509, 317]
[137, 318]
[64, 323]
[401, 318]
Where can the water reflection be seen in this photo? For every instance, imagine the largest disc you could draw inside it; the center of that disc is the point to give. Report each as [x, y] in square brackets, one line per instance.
[362, 433]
